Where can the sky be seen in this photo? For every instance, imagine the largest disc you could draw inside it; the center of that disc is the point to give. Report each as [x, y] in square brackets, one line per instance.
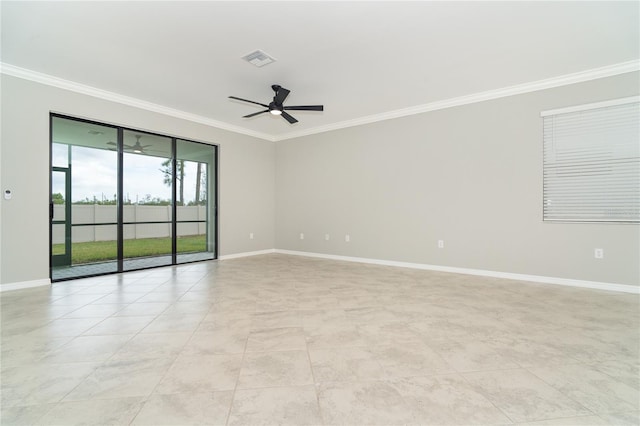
[94, 173]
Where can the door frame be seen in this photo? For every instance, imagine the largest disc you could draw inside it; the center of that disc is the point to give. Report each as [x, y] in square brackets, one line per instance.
[212, 206]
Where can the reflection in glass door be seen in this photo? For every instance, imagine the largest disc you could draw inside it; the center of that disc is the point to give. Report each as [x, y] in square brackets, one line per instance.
[123, 199]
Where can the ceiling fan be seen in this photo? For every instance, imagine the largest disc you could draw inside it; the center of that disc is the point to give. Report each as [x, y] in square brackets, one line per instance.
[136, 148]
[276, 107]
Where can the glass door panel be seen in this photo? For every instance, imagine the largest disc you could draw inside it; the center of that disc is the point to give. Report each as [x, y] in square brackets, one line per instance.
[194, 229]
[60, 227]
[94, 236]
[148, 200]
[84, 157]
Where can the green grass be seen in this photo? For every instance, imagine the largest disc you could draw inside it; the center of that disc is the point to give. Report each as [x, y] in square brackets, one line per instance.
[98, 251]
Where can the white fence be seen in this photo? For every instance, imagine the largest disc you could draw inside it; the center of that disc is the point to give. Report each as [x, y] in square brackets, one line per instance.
[94, 213]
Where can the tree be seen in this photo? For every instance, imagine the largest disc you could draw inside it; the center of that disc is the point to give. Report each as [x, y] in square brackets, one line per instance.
[167, 171]
[198, 178]
[57, 198]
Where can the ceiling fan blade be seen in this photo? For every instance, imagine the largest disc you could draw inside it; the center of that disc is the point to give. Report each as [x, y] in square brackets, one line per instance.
[255, 113]
[305, 108]
[145, 146]
[289, 118]
[247, 100]
[281, 95]
[129, 146]
[111, 143]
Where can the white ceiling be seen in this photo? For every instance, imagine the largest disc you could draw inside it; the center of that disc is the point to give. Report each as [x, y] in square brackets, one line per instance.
[359, 59]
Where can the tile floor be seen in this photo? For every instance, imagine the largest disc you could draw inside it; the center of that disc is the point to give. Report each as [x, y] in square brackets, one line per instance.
[281, 339]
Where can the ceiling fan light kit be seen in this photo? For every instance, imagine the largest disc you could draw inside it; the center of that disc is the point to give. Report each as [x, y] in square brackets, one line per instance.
[276, 107]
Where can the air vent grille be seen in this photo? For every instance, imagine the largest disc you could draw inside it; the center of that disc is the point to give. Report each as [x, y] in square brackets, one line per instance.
[258, 58]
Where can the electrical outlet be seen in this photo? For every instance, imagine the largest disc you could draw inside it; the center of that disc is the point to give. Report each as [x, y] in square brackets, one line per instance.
[440, 243]
[301, 236]
[598, 253]
[347, 238]
[251, 235]
[326, 237]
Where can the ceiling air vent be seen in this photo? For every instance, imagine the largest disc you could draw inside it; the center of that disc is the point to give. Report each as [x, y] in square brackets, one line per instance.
[258, 58]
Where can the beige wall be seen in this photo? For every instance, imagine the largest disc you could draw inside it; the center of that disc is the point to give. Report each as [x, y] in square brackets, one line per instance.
[469, 175]
[246, 176]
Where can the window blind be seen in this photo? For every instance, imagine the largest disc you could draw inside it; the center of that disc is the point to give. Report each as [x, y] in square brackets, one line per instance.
[591, 170]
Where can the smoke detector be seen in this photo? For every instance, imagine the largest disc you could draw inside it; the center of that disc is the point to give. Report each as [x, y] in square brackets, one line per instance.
[259, 58]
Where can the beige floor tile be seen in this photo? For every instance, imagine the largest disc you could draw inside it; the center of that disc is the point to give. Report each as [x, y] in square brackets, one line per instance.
[297, 405]
[211, 408]
[527, 352]
[570, 421]
[119, 325]
[334, 336]
[172, 323]
[362, 403]
[276, 319]
[522, 396]
[28, 349]
[120, 298]
[596, 391]
[121, 379]
[267, 369]
[447, 400]
[631, 418]
[325, 318]
[143, 309]
[95, 311]
[218, 341]
[23, 415]
[42, 383]
[201, 373]
[391, 333]
[276, 339]
[87, 348]
[94, 412]
[152, 346]
[627, 372]
[371, 315]
[473, 356]
[65, 327]
[411, 359]
[345, 364]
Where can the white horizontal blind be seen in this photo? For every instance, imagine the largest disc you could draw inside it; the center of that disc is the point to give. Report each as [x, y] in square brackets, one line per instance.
[592, 164]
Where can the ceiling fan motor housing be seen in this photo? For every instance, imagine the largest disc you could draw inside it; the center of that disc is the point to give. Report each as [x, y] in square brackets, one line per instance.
[276, 107]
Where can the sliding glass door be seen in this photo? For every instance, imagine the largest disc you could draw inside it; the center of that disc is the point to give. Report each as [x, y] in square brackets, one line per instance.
[123, 199]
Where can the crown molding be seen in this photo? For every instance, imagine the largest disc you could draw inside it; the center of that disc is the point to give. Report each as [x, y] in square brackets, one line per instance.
[534, 86]
[578, 77]
[60, 83]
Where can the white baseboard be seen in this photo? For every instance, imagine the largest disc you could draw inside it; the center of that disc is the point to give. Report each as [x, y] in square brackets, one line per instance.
[25, 284]
[480, 272]
[246, 254]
